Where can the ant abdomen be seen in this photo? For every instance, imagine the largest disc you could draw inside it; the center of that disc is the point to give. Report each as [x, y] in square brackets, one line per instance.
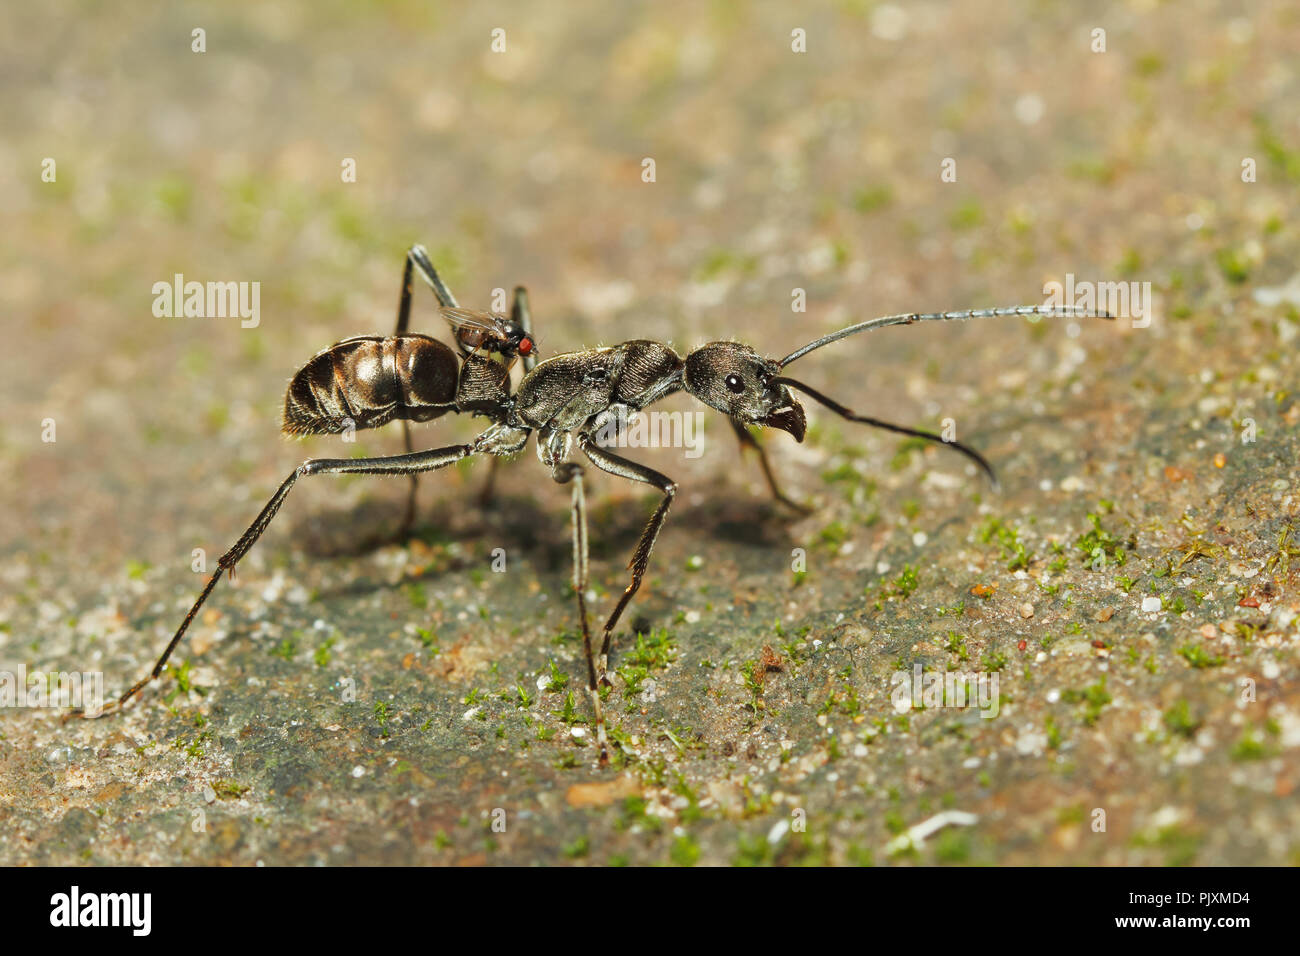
[370, 380]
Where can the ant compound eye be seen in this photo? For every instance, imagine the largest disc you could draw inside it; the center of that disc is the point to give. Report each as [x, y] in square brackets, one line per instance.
[734, 384]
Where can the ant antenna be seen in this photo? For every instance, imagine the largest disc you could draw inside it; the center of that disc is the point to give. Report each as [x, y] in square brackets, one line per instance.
[1062, 311]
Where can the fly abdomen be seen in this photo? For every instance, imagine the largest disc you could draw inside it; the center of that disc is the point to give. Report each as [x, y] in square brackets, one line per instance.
[368, 381]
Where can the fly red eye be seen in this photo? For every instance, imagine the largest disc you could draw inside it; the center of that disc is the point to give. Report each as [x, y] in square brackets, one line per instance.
[525, 346]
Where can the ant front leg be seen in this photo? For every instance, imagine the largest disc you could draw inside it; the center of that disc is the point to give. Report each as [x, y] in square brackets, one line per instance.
[748, 440]
[623, 468]
[523, 317]
[395, 465]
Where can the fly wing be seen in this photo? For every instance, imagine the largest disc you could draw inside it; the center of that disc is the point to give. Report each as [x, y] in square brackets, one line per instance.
[488, 323]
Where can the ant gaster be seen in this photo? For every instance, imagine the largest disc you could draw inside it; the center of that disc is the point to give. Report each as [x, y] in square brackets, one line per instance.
[567, 400]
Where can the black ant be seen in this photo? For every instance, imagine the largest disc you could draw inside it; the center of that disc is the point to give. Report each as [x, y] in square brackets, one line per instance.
[367, 381]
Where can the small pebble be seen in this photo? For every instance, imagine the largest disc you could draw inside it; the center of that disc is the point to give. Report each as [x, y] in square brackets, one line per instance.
[1151, 605]
[1026, 610]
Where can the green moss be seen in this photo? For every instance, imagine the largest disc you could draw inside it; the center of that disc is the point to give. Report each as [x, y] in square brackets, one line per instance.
[229, 789]
[833, 535]
[1130, 264]
[569, 713]
[1179, 845]
[953, 845]
[1053, 733]
[322, 653]
[183, 676]
[903, 454]
[1198, 657]
[872, 198]
[721, 261]
[906, 583]
[1249, 747]
[382, 716]
[1178, 719]
[1098, 543]
[633, 814]
[416, 595]
[752, 851]
[1285, 159]
[558, 681]
[1149, 64]
[1234, 263]
[1093, 698]
[993, 661]
[1008, 539]
[968, 214]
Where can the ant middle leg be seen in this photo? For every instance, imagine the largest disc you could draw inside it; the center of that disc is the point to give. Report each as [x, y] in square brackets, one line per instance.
[566, 473]
[395, 465]
[623, 468]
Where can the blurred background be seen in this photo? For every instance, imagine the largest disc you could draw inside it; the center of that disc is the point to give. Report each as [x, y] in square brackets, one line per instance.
[1113, 157]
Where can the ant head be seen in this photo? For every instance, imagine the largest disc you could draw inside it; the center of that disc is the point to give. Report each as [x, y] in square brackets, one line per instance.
[739, 382]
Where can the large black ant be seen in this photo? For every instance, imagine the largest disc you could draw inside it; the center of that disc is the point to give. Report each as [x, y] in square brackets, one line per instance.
[368, 381]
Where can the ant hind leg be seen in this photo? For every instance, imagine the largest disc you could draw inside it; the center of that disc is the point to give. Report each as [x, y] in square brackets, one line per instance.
[395, 465]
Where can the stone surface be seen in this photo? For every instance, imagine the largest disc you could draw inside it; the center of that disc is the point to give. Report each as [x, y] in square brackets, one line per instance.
[355, 700]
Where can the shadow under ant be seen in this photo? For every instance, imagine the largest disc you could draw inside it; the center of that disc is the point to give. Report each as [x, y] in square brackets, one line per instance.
[526, 528]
